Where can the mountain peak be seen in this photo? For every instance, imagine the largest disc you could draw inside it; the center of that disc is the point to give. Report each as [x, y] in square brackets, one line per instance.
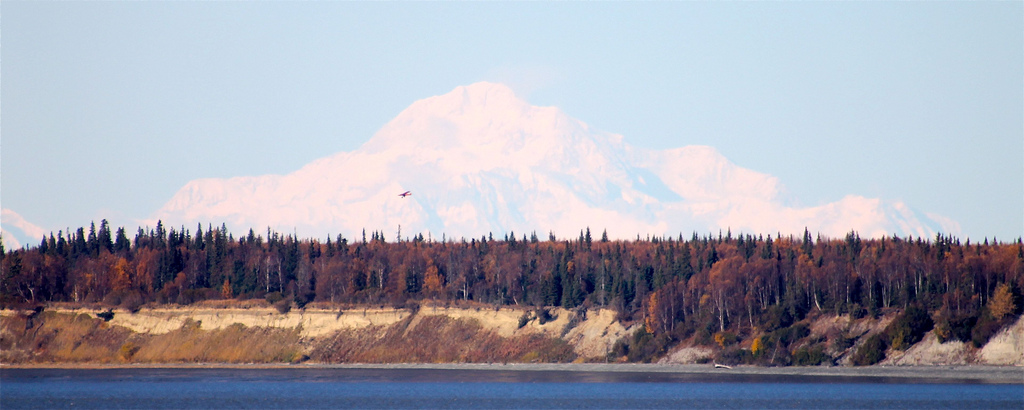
[483, 92]
[480, 159]
[482, 113]
[471, 99]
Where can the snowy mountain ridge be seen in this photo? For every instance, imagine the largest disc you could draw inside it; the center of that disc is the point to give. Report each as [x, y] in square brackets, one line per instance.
[480, 160]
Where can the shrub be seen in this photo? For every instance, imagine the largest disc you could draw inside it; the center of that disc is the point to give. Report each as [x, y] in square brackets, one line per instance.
[811, 356]
[620, 349]
[871, 352]
[705, 336]
[777, 317]
[986, 327]
[283, 306]
[190, 296]
[789, 335]
[544, 316]
[779, 357]
[856, 310]
[524, 319]
[640, 339]
[128, 350]
[575, 318]
[273, 297]
[842, 341]
[909, 327]
[190, 325]
[302, 299]
[106, 316]
[735, 356]
[132, 302]
[112, 299]
[943, 331]
[954, 327]
[644, 346]
[725, 338]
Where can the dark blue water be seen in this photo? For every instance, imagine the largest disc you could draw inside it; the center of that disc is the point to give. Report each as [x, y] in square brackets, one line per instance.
[433, 389]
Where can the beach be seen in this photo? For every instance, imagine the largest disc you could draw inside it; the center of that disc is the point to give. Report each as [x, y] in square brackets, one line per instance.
[952, 374]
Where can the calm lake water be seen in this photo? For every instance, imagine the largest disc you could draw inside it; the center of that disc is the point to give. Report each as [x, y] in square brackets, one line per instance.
[190, 388]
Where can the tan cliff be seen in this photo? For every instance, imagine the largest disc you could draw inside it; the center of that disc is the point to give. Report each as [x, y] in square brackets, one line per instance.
[438, 334]
[1005, 348]
[304, 333]
[592, 336]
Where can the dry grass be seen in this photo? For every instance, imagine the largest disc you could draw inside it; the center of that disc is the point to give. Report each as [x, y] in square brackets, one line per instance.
[57, 337]
[203, 304]
[233, 344]
[232, 304]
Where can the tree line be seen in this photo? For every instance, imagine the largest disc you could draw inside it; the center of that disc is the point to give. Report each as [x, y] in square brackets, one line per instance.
[709, 283]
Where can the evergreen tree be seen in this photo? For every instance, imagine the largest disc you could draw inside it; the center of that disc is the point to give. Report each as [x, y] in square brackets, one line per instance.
[104, 237]
[92, 244]
[121, 244]
[80, 247]
[808, 244]
[199, 245]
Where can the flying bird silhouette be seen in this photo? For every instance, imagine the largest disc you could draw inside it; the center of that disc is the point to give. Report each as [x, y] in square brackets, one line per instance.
[405, 194]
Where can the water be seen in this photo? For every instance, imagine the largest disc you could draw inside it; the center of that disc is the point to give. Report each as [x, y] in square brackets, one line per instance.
[194, 388]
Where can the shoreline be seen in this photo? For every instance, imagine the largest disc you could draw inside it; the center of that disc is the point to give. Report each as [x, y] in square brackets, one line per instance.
[968, 373]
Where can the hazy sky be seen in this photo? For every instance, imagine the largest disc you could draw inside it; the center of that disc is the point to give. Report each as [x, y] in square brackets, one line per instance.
[108, 108]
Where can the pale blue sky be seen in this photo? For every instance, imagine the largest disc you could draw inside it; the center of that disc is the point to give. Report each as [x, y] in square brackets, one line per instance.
[108, 108]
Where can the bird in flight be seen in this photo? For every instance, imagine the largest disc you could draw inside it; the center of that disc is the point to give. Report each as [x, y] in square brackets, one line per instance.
[405, 194]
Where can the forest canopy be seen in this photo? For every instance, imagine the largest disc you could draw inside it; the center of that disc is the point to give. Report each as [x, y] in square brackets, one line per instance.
[676, 286]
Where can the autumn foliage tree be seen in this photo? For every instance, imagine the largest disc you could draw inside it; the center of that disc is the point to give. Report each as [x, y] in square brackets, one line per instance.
[1002, 302]
[724, 284]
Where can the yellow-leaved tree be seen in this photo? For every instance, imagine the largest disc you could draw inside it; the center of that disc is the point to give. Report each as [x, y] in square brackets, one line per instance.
[122, 276]
[1001, 303]
[225, 290]
[651, 322]
[756, 347]
[432, 280]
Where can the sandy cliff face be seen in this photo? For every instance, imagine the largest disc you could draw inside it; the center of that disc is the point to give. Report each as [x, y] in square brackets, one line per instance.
[311, 323]
[591, 334]
[430, 334]
[585, 334]
[930, 351]
[1006, 347]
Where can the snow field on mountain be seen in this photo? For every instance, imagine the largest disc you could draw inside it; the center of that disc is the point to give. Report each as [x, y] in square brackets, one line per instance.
[480, 161]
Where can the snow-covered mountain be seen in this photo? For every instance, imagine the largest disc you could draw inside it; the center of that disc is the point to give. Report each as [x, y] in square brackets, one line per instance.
[479, 160]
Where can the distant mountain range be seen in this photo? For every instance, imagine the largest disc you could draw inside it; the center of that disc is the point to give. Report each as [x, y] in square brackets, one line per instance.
[479, 160]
